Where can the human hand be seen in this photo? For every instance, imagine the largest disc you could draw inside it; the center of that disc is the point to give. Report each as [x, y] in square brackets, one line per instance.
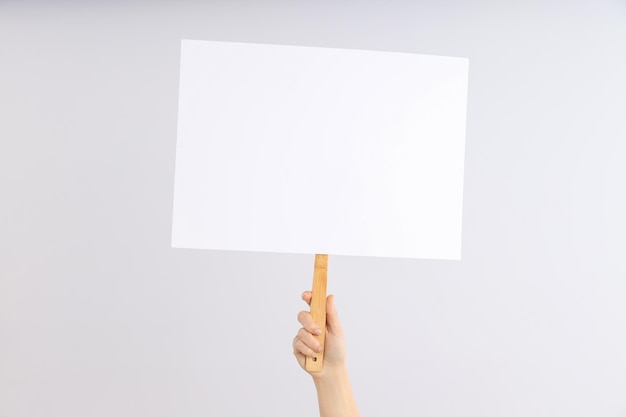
[305, 344]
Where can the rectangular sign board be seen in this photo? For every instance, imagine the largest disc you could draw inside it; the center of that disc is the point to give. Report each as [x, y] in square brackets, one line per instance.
[319, 150]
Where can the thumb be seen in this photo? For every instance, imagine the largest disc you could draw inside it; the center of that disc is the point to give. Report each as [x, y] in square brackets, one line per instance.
[332, 318]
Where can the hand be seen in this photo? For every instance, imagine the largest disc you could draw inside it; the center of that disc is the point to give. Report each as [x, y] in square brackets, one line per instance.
[305, 344]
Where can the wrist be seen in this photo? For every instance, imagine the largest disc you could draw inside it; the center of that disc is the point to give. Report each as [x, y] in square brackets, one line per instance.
[334, 392]
[331, 372]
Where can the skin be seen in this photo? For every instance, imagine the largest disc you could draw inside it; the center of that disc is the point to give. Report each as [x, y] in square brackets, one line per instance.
[334, 392]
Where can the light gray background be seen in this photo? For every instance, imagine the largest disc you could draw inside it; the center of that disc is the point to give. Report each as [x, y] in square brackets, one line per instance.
[100, 317]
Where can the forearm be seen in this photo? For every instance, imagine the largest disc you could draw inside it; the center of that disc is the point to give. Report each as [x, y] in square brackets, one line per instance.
[334, 394]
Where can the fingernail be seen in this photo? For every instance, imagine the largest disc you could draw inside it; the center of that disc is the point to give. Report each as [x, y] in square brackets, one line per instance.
[320, 348]
[318, 331]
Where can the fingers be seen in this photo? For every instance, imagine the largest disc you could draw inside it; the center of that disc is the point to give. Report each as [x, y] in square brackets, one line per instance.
[306, 320]
[332, 318]
[301, 350]
[305, 343]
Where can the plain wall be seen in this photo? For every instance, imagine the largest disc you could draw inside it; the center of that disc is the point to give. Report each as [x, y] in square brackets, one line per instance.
[99, 316]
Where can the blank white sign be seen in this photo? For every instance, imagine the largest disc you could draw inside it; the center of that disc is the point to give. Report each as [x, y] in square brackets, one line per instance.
[319, 150]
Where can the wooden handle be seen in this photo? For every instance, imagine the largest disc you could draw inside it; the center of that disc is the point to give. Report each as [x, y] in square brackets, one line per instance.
[318, 309]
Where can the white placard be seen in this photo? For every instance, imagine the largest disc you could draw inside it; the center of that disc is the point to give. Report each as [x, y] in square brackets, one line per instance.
[319, 150]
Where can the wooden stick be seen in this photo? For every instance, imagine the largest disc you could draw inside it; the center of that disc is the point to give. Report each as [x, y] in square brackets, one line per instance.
[318, 309]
